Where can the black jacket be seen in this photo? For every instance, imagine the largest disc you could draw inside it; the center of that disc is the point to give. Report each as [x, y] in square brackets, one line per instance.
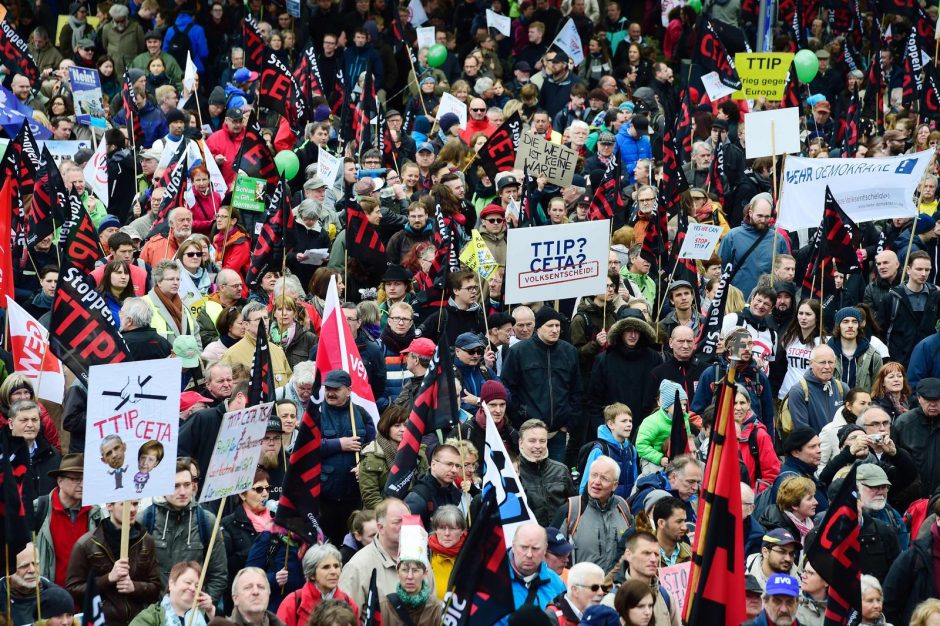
[545, 382]
[686, 373]
[909, 581]
[900, 468]
[428, 495]
[198, 435]
[74, 406]
[920, 436]
[145, 344]
[547, 485]
[45, 460]
[239, 535]
[902, 329]
[455, 322]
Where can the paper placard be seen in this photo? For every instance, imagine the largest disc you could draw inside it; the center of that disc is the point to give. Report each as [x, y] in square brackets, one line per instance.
[675, 579]
[425, 37]
[476, 256]
[416, 13]
[327, 167]
[450, 104]
[502, 23]
[249, 194]
[763, 74]
[714, 87]
[235, 455]
[782, 124]
[554, 161]
[131, 431]
[559, 261]
[700, 241]
[86, 93]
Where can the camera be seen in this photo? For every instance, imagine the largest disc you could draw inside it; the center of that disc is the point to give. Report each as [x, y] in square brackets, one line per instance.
[877, 438]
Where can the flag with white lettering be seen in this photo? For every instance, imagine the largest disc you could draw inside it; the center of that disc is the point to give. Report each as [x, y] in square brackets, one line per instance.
[29, 343]
[15, 53]
[93, 607]
[254, 156]
[498, 154]
[267, 253]
[298, 508]
[280, 91]
[50, 200]
[131, 112]
[711, 54]
[254, 43]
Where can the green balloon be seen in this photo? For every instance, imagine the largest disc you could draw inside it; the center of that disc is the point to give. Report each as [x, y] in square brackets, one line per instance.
[807, 66]
[437, 55]
[696, 5]
[287, 164]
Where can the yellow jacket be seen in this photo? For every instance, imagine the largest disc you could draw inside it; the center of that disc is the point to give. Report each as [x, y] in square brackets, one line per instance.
[243, 353]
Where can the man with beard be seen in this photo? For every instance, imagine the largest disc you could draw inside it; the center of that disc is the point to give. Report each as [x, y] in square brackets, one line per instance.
[164, 246]
[273, 458]
[781, 599]
[696, 170]
[21, 585]
[784, 310]
[753, 238]
[777, 556]
[340, 448]
[121, 37]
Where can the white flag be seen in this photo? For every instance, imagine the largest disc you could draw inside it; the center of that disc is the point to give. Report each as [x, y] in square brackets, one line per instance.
[32, 357]
[501, 23]
[500, 475]
[418, 15]
[96, 173]
[189, 77]
[569, 41]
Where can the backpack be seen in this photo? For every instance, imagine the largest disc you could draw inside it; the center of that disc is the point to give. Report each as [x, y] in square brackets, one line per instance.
[783, 423]
[585, 451]
[576, 502]
[179, 43]
[150, 520]
[915, 515]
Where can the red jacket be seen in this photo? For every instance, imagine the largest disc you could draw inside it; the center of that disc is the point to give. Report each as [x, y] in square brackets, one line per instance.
[204, 209]
[769, 463]
[296, 607]
[222, 143]
[237, 250]
[474, 127]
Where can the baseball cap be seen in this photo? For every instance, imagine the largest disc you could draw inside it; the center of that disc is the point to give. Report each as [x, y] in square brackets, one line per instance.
[185, 348]
[468, 341]
[189, 398]
[244, 75]
[427, 146]
[422, 346]
[871, 475]
[337, 378]
[779, 537]
[782, 585]
[557, 544]
[274, 425]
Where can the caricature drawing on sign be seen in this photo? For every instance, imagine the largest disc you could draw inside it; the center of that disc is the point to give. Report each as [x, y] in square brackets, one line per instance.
[113, 449]
[148, 458]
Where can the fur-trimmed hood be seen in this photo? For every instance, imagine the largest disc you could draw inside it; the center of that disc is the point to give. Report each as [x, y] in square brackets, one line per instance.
[615, 335]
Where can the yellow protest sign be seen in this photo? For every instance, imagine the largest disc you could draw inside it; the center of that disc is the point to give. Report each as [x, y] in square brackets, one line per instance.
[763, 74]
[477, 256]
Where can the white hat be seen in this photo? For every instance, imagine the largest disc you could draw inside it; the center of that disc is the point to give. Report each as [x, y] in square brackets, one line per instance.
[413, 545]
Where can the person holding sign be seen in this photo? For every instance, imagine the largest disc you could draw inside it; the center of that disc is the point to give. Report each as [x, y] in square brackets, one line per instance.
[177, 604]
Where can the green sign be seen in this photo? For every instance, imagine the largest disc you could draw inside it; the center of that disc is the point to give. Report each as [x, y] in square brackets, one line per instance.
[249, 194]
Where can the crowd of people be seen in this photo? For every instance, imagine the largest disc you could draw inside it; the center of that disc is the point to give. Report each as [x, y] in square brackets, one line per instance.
[582, 391]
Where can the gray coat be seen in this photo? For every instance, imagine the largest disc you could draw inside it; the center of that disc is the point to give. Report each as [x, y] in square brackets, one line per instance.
[595, 530]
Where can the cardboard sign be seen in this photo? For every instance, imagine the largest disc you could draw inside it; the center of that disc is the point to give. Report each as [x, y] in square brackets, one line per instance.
[249, 193]
[477, 256]
[86, 93]
[783, 125]
[425, 36]
[450, 104]
[327, 167]
[700, 241]
[544, 158]
[714, 87]
[502, 23]
[132, 430]
[675, 579]
[560, 261]
[763, 74]
[235, 455]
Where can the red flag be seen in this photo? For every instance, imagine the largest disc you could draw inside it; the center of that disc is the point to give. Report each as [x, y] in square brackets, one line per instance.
[308, 76]
[298, 508]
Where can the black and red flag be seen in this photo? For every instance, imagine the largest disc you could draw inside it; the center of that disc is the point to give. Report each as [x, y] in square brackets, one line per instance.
[174, 181]
[262, 372]
[683, 129]
[254, 43]
[254, 157]
[912, 84]
[715, 182]
[298, 508]
[715, 592]
[924, 27]
[82, 331]
[931, 99]
[897, 7]
[371, 613]
[92, 606]
[131, 113]
[852, 123]
[365, 111]
[390, 158]
[607, 200]
[338, 97]
[655, 249]
[711, 54]
[16, 505]
[16, 55]
[50, 200]
[678, 435]
[279, 91]
[875, 90]
[269, 249]
[479, 591]
[362, 240]
[445, 241]
[835, 246]
[527, 204]
[836, 555]
[791, 90]
[435, 408]
[27, 153]
[307, 75]
[498, 154]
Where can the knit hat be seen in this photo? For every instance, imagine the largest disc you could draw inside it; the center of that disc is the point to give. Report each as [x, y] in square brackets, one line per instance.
[493, 390]
[847, 430]
[109, 221]
[924, 224]
[217, 96]
[800, 436]
[175, 115]
[322, 113]
[849, 311]
[546, 315]
[422, 125]
[600, 615]
[448, 121]
[135, 74]
[667, 394]
[56, 601]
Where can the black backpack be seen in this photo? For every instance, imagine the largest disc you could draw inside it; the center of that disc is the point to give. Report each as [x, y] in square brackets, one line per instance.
[179, 44]
[585, 451]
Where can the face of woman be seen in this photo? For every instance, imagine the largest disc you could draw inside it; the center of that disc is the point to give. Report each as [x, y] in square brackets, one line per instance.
[805, 317]
[871, 605]
[410, 177]
[107, 68]
[448, 536]
[633, 55]
[237, 329]
[284, 316]
[222, 221]
[479, 144]
[922, 134]
[327, 575]
[254, 500]
[461, 95]
[201, 182]
[276, 42]
[183, 589]
[61, 620]
[860, 403]
[288, 415]
[192, 258]
[894, 381]
[396, 432]
[156, 67]
[58, 107]
[556, 213]
[21, 394]
[369, 531]
[395, 289]
[713, 271]
[807, 506]
[742, 406]
[411, 575]
[642, 613]
[812, 581]
[119, 279]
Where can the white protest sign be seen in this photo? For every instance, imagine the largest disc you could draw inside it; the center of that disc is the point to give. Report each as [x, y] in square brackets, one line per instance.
[236, 452]
[96, 173]
[132, 430]
[29, 342]
[65, 149]
[714, 87]
[502, 23]
[416, 13]
[866, 189]
[560, 261]
[700, 241]
[189, 77]
[425, 36]
[675, 579]
[450, 104]
[569, 41]
[544, 158]
[327, 167]
[782, 124]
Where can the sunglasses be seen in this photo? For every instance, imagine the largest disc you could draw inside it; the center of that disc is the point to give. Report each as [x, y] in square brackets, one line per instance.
[193, 255]
[478, 110]
[595, 588]
[261, 489]
[474, 352]
[494, 220]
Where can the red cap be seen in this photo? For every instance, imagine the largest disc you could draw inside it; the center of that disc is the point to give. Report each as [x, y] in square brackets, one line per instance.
[189, 398]
[492, 209]
[420, 346]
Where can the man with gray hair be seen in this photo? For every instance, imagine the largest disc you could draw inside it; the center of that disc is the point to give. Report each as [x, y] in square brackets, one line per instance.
[696, 171]
[143, 342]
[251, 593]
[585, 588]
[257, 320]
[228, 293]
[751, 246]
[122, 38]
[164, 246]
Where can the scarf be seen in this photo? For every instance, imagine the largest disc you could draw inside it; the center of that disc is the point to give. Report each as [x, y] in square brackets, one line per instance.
[802, 527]
[388, 447]
[174, 306]
[450, 552]
[78, 29]
[170, 618]
[42, 301]
[413, 601]
[395, 342]
[283, 338]
[899, 402]
[373, 330]
[259, 521]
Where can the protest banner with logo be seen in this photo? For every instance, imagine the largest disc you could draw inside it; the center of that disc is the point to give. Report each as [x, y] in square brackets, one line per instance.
[96, 173]
[86, 92]
[132, 430]
[763, 74]
[544, 158]
[236, 452]
[502, 23]
[773, 132]
[700, 241]
[32, 357]
[556, 262]
[569, 41]
[866, 189]
[476, 256]
[249, 194]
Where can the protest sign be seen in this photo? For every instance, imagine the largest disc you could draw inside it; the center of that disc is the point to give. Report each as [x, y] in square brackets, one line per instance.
[425, 36]
[450, 104]
[477, 256]
[763, 74]
[773, 132]
[561, 261]
[866, 189]
[29, 341]
[502, 23]
[416, 13]
[249, 193]
[236, 452]
[132, 430]
[327, 167]
[714, 87]
[544, 158]
[675, 579]
[96, 173]
[64, 150]
[700, 241]
[86, 92]
[569, 41]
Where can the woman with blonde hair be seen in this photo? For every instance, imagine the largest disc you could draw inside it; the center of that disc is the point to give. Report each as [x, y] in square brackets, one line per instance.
[927, 613]
[795, 507]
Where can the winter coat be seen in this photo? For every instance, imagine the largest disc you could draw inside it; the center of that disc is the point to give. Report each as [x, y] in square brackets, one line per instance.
[824, 400]
[427, 495]
[653, 436]
[297, 606]
[454, 323]
[686, 373]
[925, 361]
[22, 602]
[298, 350]
[239, 535]
[354, 580]
[243, 352]
[875, 293]
[737, 242]
[339, 484]
[268, 553]
[902, 327]
[356, 61]
[623, 453]
[44, 460]
[766, 456]
[198, 46]
[754, 380]
[45, 543]
[900, 468]
[793, 466]
[428, 614]
[547, 585]
[233, 252]
[374, 468]
[547, 484]
[595, 529]
[152, 122]
[544, 382]
[204, 207]
[404, 240]
[631, 149]
[163, 323]
[920, 436]
[222, 143]
[122, 45]
[910, 581]
[863, 366]
[198, 434]
[555, 94]
[300, 239]
[586, 323]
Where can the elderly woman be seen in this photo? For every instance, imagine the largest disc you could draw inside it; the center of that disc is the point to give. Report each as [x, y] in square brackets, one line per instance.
[176, 606]
[189, 258]
[309, 233]
[448, 532]
[300, 386]
[241, 527]
[796, 506]
[16, 387]
[376, 459]
[289, 332]
[412, 604]
[872, 602]
[322, 565]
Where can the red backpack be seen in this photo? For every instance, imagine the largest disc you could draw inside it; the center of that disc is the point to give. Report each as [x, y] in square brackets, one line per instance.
[915, 515]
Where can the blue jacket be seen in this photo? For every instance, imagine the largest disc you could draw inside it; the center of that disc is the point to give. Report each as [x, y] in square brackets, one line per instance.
[632, 150]
[659, 480]
[924, 361]
[198, 47]
[337, 478]
[550, 585]
[152, 122]
[623, 453]
[737, 242]
[270, 557]
[754, 380]
[356, 60]
[472, 379]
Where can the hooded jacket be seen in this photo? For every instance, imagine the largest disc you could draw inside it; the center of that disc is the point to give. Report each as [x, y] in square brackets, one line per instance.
[860, 369]
[653, 435]
[586, 324]
[824, 400]
[623, 453]
[357, 60]
[766, 456]
[198, 47]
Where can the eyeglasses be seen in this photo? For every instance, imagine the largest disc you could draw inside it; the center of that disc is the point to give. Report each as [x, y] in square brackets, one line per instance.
[478, 110]
[193, 255]
[399, 320]
[471, 288]
[352, 319]
[494, 220]
[778, 550]
[474, 352]
[595, 587]
[261, 489]
[413, 570]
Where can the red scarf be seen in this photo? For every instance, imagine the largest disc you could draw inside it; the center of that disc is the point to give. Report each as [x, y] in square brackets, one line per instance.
[450, 552]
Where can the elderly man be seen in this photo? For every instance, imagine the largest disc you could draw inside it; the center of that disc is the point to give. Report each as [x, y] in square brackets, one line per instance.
[170, 319]
[750, 246]
[122, 38]
[682, 478]
[781, 599]
[585, 588]
[21, 585]
[888, 269]
[143, 342]
[546, 481]
[814, 401]
[681, 365]
[250, 594]
[219, 383]
[917, 433]
[594, 521]
[161, 246]
[24, 422]
[883, 532]
[256, 317]
[523, 324]
[532, 580]
[777, 556]
[199, 432]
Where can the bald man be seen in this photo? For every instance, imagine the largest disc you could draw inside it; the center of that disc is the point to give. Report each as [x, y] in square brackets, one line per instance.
[524, 324]
[888, 268]
[532, 580]
[815, 400]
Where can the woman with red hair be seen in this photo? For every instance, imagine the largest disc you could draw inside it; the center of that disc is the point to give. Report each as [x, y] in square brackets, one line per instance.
[202, 199]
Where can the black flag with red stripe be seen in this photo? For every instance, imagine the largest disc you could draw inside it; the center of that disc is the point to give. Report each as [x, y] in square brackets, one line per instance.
[366, 111]
[81, 245]
[279, 91]
[262, 372]
[268, 250]
[362, 240]
[874, 92]
[131, 113]
[174, 181]
[912, 83]
[390, 158]
[716, 174]
[931, 99]
[16, 55]
[254, 157]
[498, 154]
[371, 615]
[835, 246]
[28, 158]
[435, 408]
[607, 200]
[298, 508]
[791, 90]
[852, 124]
[308, 76]
[254, 44]
[683, 128]
[711, 54]
[897, 7]
[17, 500]
[50, 200]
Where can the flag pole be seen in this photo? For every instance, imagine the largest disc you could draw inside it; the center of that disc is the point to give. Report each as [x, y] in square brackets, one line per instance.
[125, 528]
[776, 194]
[205, 563]
[38, 586]
[6, 551]
[910, 243]
[486, 323]
[134, 147]
[822, 297]
[352, 422]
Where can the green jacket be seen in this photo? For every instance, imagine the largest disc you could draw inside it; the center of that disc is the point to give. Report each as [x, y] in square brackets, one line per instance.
[154, 615]
[171, 68]
[653, 435]
[374, 467]
[646, 284]
[95, 208]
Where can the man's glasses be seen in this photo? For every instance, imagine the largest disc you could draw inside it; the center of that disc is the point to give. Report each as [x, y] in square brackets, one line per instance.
[595, 587]
[474, 352]
[481, 110]
[399, 320]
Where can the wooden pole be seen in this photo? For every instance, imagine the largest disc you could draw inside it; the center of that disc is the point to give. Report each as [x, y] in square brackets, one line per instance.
[125, 528]
[920, 190]
[205, 562]
[486, 323]
[38, 581]
[352, 422]
[773, 156]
